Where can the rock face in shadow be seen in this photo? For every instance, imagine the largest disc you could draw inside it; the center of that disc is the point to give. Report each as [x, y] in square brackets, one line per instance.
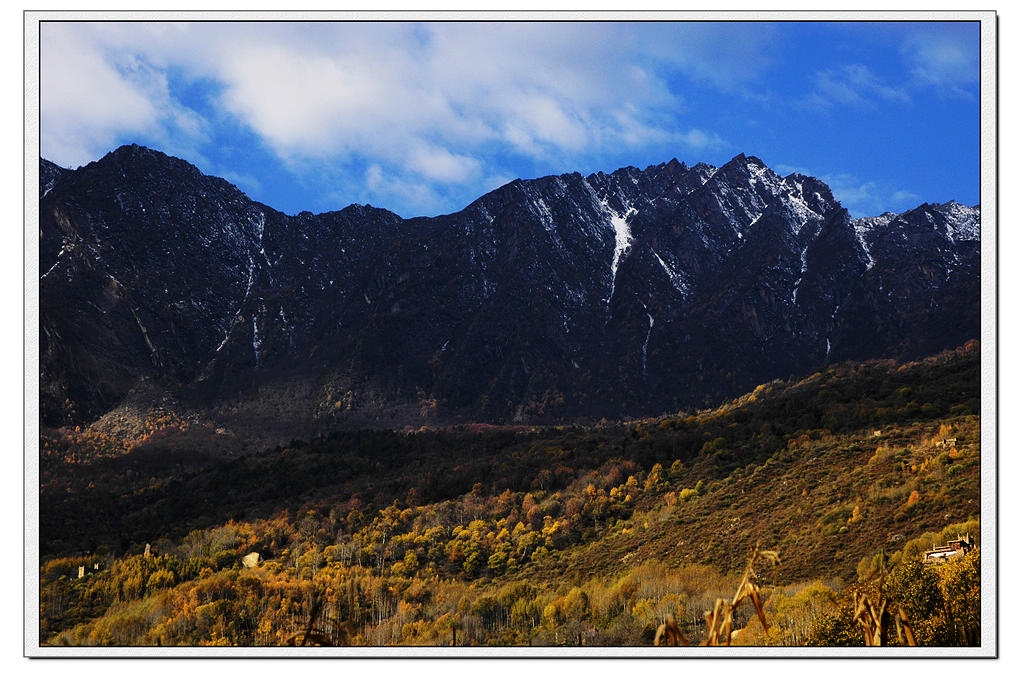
[636, 292]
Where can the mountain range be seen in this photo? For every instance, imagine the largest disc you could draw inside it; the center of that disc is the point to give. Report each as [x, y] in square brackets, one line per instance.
[561, 298]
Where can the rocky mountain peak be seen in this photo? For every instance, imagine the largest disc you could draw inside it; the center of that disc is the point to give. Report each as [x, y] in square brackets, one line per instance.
[633, 292]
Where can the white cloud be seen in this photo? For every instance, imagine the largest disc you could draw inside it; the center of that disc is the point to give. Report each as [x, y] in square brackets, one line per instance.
[947, 61]
[860, 198]
[909, 198]
[786, 170]
[550, 123]
[854, 194]
[439, 164]
[699, 140]
[868, 198]
[382, 188]
[92, 97]
[85, 101]
[538, 88]
[432, 101]
[852, 85]
[730, 56]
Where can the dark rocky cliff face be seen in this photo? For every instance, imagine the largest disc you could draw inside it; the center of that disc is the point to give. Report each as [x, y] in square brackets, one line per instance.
[631, 293]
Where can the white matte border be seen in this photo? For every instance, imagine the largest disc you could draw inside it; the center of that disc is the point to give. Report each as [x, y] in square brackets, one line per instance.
[989, 329]
[989, 338]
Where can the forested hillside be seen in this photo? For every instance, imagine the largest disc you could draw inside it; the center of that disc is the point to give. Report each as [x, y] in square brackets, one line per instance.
[517, 535]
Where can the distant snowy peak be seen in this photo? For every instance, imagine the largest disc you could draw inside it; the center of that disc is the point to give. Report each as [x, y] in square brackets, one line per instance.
[761, 174]
[958, 222]
[703, 171]
[964, 222]
[868, 224]
[866, 227]
[814, 192]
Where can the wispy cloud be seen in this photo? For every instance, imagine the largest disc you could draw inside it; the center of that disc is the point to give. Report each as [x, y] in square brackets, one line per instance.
[944, 60]
[860, 198]
[786, 170]
[939, 58]
[853, 85]
[868, 198]
[438, 164]
[91, 97]
[429, 114]
[424, 103]
[700, 140]
[382, 188]
[905, 198]
[730, 56]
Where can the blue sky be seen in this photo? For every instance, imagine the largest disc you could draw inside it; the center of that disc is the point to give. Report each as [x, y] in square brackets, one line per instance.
[424, 118]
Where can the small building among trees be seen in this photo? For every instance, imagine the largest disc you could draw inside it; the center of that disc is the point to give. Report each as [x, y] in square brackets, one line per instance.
[956, 548]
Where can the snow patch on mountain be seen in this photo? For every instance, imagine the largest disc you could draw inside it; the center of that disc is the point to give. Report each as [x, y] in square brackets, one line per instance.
[760, 174]
[644, 347]
[256, 341]
[675, 279]
[544, 214]
[797, 203]
[237, 314]
[964, 222]
[865, 227]
[803, 270]
[623, 239]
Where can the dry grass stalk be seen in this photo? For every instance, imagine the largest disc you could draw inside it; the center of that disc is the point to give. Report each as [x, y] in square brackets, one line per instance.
[305, 639]
[873, 617]
[309, 637]
[669, 633]
[904, 630]
[720, 620]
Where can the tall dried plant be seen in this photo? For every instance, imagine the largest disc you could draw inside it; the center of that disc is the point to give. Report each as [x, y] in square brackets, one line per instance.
[669, 633]
[309, 637]
[874, 615]
[720, 619]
